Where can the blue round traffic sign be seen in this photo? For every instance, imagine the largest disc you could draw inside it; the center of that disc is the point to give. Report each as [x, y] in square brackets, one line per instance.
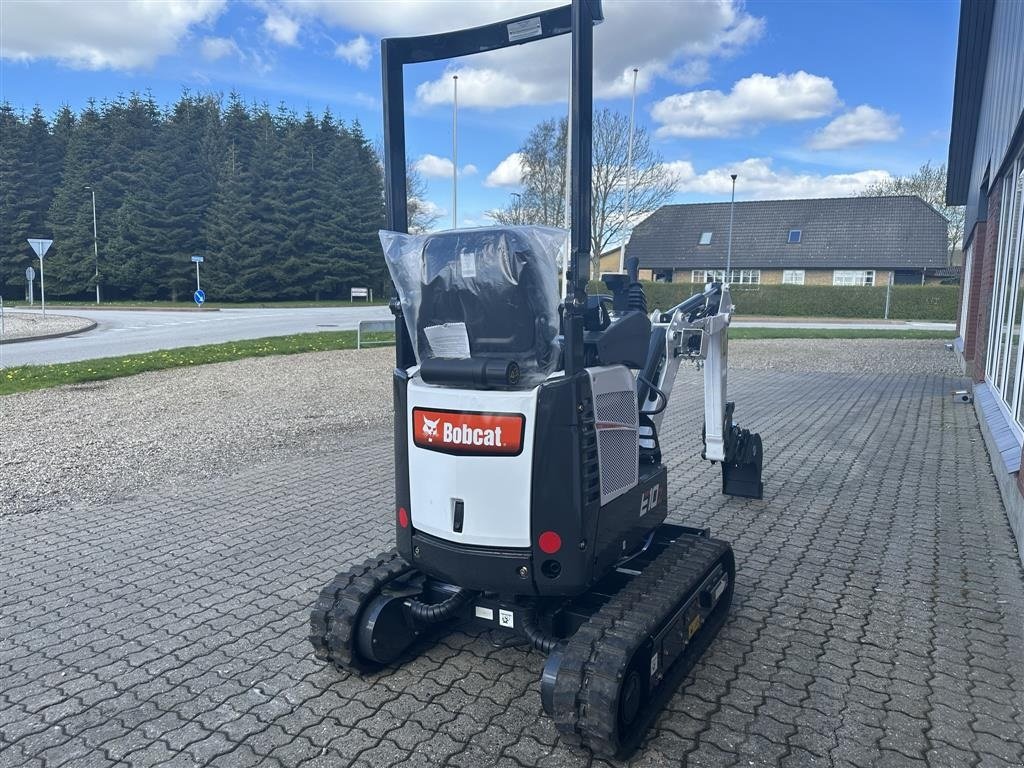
[199, 296]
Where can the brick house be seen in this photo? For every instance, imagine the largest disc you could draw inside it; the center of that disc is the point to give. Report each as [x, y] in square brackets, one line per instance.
[986, 174]
[825, 241]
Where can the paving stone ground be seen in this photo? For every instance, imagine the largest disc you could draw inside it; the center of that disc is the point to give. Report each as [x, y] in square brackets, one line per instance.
[878, 617]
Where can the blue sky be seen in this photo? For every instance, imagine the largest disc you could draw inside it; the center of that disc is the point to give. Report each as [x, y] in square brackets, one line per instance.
[801, 99]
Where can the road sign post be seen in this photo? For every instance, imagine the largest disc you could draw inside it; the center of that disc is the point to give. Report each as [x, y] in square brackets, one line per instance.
[30, 291]
[41, 246]
[197, 260]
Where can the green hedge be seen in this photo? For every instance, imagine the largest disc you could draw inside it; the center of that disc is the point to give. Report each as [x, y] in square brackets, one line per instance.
[908, 302]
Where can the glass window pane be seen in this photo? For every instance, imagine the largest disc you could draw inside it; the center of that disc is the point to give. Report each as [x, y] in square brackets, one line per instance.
[1013, 330]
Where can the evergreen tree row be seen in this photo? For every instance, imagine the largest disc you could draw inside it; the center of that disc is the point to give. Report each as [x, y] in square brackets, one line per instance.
[280, 206]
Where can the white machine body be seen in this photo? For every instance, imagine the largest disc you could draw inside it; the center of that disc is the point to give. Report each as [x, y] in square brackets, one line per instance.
[471, 455]
[446, 466]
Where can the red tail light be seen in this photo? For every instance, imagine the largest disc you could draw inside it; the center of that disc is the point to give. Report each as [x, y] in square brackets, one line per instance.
[549, 542]
[403, 517]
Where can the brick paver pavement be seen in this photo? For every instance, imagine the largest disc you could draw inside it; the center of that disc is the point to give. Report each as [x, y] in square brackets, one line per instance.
[878, 618]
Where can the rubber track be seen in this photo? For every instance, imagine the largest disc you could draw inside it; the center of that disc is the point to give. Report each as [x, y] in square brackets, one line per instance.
[594, 661]
[332, 621]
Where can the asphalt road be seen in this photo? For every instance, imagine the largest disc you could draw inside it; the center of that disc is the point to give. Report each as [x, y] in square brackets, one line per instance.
[126, 332]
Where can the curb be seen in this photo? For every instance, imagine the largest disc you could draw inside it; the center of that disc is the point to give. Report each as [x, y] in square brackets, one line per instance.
[90, 308]
[92, 324]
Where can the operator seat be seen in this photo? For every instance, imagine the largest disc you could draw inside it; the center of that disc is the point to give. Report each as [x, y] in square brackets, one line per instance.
[492, 281]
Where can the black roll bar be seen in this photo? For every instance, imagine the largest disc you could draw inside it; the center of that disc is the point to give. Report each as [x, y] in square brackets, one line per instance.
[395, 52]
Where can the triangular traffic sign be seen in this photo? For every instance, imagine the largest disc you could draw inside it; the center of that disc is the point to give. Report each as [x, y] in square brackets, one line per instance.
[40, 245]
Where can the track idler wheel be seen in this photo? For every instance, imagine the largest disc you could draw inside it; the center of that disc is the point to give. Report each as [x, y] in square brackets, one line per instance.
[607, 684]
[336, 621]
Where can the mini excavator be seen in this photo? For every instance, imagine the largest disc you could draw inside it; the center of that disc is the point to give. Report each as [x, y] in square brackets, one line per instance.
[530, 492]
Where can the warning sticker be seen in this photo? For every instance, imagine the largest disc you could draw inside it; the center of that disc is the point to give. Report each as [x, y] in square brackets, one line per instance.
[506, 618]
[484, 613]
[467, 261]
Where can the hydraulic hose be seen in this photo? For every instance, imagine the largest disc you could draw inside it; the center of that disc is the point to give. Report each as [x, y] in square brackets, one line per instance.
[537, 637]
[435, 613]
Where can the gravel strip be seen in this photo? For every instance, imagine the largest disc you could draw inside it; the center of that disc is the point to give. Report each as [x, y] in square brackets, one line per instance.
[28, 325]
[103, 440]
[889, 356]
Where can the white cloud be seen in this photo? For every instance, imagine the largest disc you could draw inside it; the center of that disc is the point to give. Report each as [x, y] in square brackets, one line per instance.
[757, 179]
[508, 173]
[752, 101]
[691, 73]
[859, 126]
[659, 38]
[101, 35]
[214, 48]
[356, 51]
[281, 28]
[435, 167]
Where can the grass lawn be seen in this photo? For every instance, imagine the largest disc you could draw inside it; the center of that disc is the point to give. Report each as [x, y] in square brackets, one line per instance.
[29, 377]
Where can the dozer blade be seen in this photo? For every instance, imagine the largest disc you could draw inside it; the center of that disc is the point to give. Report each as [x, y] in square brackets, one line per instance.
[606, 685]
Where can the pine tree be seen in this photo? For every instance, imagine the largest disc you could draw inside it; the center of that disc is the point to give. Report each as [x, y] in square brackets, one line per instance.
[280, 206]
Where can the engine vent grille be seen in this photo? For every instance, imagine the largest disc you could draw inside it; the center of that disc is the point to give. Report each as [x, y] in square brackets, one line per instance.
[616, 415]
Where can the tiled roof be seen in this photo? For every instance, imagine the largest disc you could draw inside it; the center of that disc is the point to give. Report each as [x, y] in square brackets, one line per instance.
[845, 232]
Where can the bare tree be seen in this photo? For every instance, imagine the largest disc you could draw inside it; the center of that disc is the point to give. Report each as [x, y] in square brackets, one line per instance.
[514, 213]
[543, 197]
[647, 188]
[422, 216]
[928, 183]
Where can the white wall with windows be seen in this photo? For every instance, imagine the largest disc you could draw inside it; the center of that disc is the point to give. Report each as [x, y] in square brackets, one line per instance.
[1004, 358]
[853, 277]
[793, 276]
[748, 276]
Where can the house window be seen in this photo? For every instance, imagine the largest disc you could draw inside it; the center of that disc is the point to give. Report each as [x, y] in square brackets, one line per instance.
[792, 277]
[853, 277]
[744, 276]
[705, 238]
[794, 236]
[662, 275]
[1003, 361]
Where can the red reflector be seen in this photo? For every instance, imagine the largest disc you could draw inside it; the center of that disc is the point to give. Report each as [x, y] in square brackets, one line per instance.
[403, 517]
[549, 542]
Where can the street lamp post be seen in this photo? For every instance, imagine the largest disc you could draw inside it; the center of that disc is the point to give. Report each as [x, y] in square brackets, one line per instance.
[518, 209]
[732, 210]
[455, 151]
[95, 245]
[629, 175]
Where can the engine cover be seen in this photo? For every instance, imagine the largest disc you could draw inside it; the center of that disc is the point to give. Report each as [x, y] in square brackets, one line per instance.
[471, 463]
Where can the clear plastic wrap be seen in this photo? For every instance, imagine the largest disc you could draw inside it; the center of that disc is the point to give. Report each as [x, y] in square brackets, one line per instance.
[487, 292]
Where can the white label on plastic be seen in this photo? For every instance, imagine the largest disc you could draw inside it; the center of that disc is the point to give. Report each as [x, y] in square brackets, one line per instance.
[467, 260]
[520, 30]
[654, 663]
[484, 613]
[450, 340]
[506, 618]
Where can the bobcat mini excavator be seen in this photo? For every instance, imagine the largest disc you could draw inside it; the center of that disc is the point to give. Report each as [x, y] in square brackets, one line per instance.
[530, 493]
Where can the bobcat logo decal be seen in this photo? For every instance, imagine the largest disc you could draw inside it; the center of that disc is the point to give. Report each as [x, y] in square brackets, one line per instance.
[468, 433]
[430, 428]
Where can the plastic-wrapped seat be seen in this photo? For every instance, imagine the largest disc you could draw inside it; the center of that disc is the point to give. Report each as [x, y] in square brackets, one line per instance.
[487, 294]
